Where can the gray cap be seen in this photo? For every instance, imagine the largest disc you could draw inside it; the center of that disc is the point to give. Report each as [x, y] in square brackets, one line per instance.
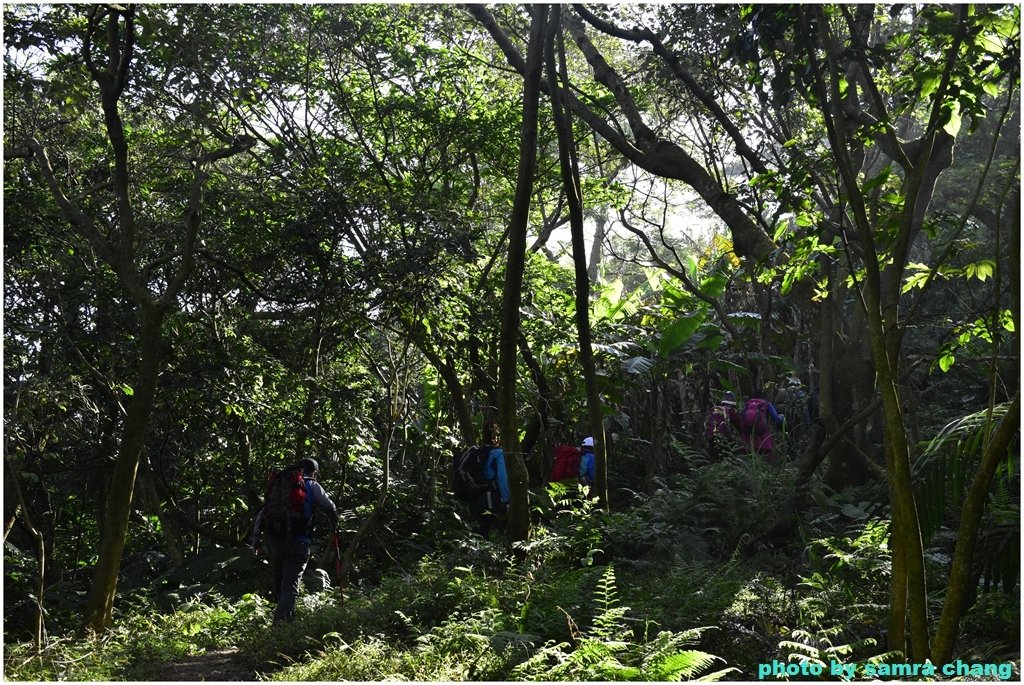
[309, 465]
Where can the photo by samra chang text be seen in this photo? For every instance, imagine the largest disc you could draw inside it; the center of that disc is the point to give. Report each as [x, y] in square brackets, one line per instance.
[958, 669]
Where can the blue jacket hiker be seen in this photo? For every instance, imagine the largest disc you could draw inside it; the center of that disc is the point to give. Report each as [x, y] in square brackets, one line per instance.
[586, 475]
[284, 522]
[487, 506]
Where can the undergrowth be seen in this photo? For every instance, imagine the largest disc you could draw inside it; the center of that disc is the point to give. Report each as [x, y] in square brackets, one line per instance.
[681, 586]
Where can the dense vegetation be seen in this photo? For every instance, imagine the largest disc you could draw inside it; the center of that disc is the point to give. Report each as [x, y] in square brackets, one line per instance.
[240, 235]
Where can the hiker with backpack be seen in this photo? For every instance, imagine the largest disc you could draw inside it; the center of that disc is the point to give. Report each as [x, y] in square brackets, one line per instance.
[721, 426]
[565, 463]
[586, 472]
[756, 422]
[284, 523]
[481, 479]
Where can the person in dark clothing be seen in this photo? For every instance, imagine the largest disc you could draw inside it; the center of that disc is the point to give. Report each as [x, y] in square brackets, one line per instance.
[287, 548]
[488, 507]
[722, 426]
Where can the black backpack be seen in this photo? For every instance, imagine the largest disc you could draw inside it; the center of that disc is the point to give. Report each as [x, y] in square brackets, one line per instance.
[468, 477]
[287, 506]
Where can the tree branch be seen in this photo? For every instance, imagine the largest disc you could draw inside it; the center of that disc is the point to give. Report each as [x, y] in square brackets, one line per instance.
[651, 153]
[638, 36]
[681, 275]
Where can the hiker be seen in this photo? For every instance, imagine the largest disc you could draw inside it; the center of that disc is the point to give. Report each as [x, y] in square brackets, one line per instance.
[721, 426]
[586, 472]
[490, 506]
[285, 521]
[755, 431]
[565, 462]
[480, 479]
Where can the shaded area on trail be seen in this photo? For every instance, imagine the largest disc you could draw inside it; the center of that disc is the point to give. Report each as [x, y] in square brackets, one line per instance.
[223, 665]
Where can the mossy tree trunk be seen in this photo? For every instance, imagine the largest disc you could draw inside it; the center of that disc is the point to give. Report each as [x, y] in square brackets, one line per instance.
[574, 199]
[519, 511]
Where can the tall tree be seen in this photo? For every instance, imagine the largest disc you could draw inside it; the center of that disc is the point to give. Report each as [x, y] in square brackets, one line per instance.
[108, 43]
[519, 510]
[569, 163]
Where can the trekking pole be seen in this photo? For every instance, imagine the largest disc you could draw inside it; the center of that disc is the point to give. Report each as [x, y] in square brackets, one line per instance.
[337, 565]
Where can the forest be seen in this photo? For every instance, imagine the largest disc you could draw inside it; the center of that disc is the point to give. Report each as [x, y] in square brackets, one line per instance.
[238, 237]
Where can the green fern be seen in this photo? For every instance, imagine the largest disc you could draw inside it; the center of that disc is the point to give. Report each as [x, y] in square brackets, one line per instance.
[666, 661]
[949, 461]
[818, 648]
[608, 651]
[943, 473]
[609, 622]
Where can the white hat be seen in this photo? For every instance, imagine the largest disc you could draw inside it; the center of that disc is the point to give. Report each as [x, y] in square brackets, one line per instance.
[588, 442]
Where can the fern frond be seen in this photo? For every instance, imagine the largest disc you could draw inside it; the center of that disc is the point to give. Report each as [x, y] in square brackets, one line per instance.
[680, 666]
[718, 675]
[949, 461]
[809, 650]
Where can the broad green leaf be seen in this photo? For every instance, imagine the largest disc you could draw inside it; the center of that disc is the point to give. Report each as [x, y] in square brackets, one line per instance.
[691, 261]
[946, 361]
[952, 126]
[878, 180]
[981, 270]
[929, 84]
[714, 285]
[679, 331]
[915, 281]
[804, 220]
[1006, 319]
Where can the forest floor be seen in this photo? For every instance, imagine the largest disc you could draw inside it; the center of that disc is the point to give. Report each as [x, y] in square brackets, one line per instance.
[221, 665]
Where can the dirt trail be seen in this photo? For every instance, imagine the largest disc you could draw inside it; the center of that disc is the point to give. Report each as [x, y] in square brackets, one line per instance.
[225, 665]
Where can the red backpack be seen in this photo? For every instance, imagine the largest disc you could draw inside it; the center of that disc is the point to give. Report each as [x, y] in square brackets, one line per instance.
[288, 506]
[566, 462]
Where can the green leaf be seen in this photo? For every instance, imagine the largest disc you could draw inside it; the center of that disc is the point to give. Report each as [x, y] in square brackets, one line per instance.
[928, 84]
[714, 285]
[1006, 319]
[946, 361]
[692, 263]
[804, 220]
[127, 389]
[878, 180]
[981, 270]
[679, 331]
[952, 126]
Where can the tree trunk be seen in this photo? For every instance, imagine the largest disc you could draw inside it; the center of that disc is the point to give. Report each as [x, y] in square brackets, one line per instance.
[594, 264]
[37, 536]
[655, 457]
[119, 499]
[519, 511]
[150, 499]
[958, 589]
[456, 394]
[573, 191]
